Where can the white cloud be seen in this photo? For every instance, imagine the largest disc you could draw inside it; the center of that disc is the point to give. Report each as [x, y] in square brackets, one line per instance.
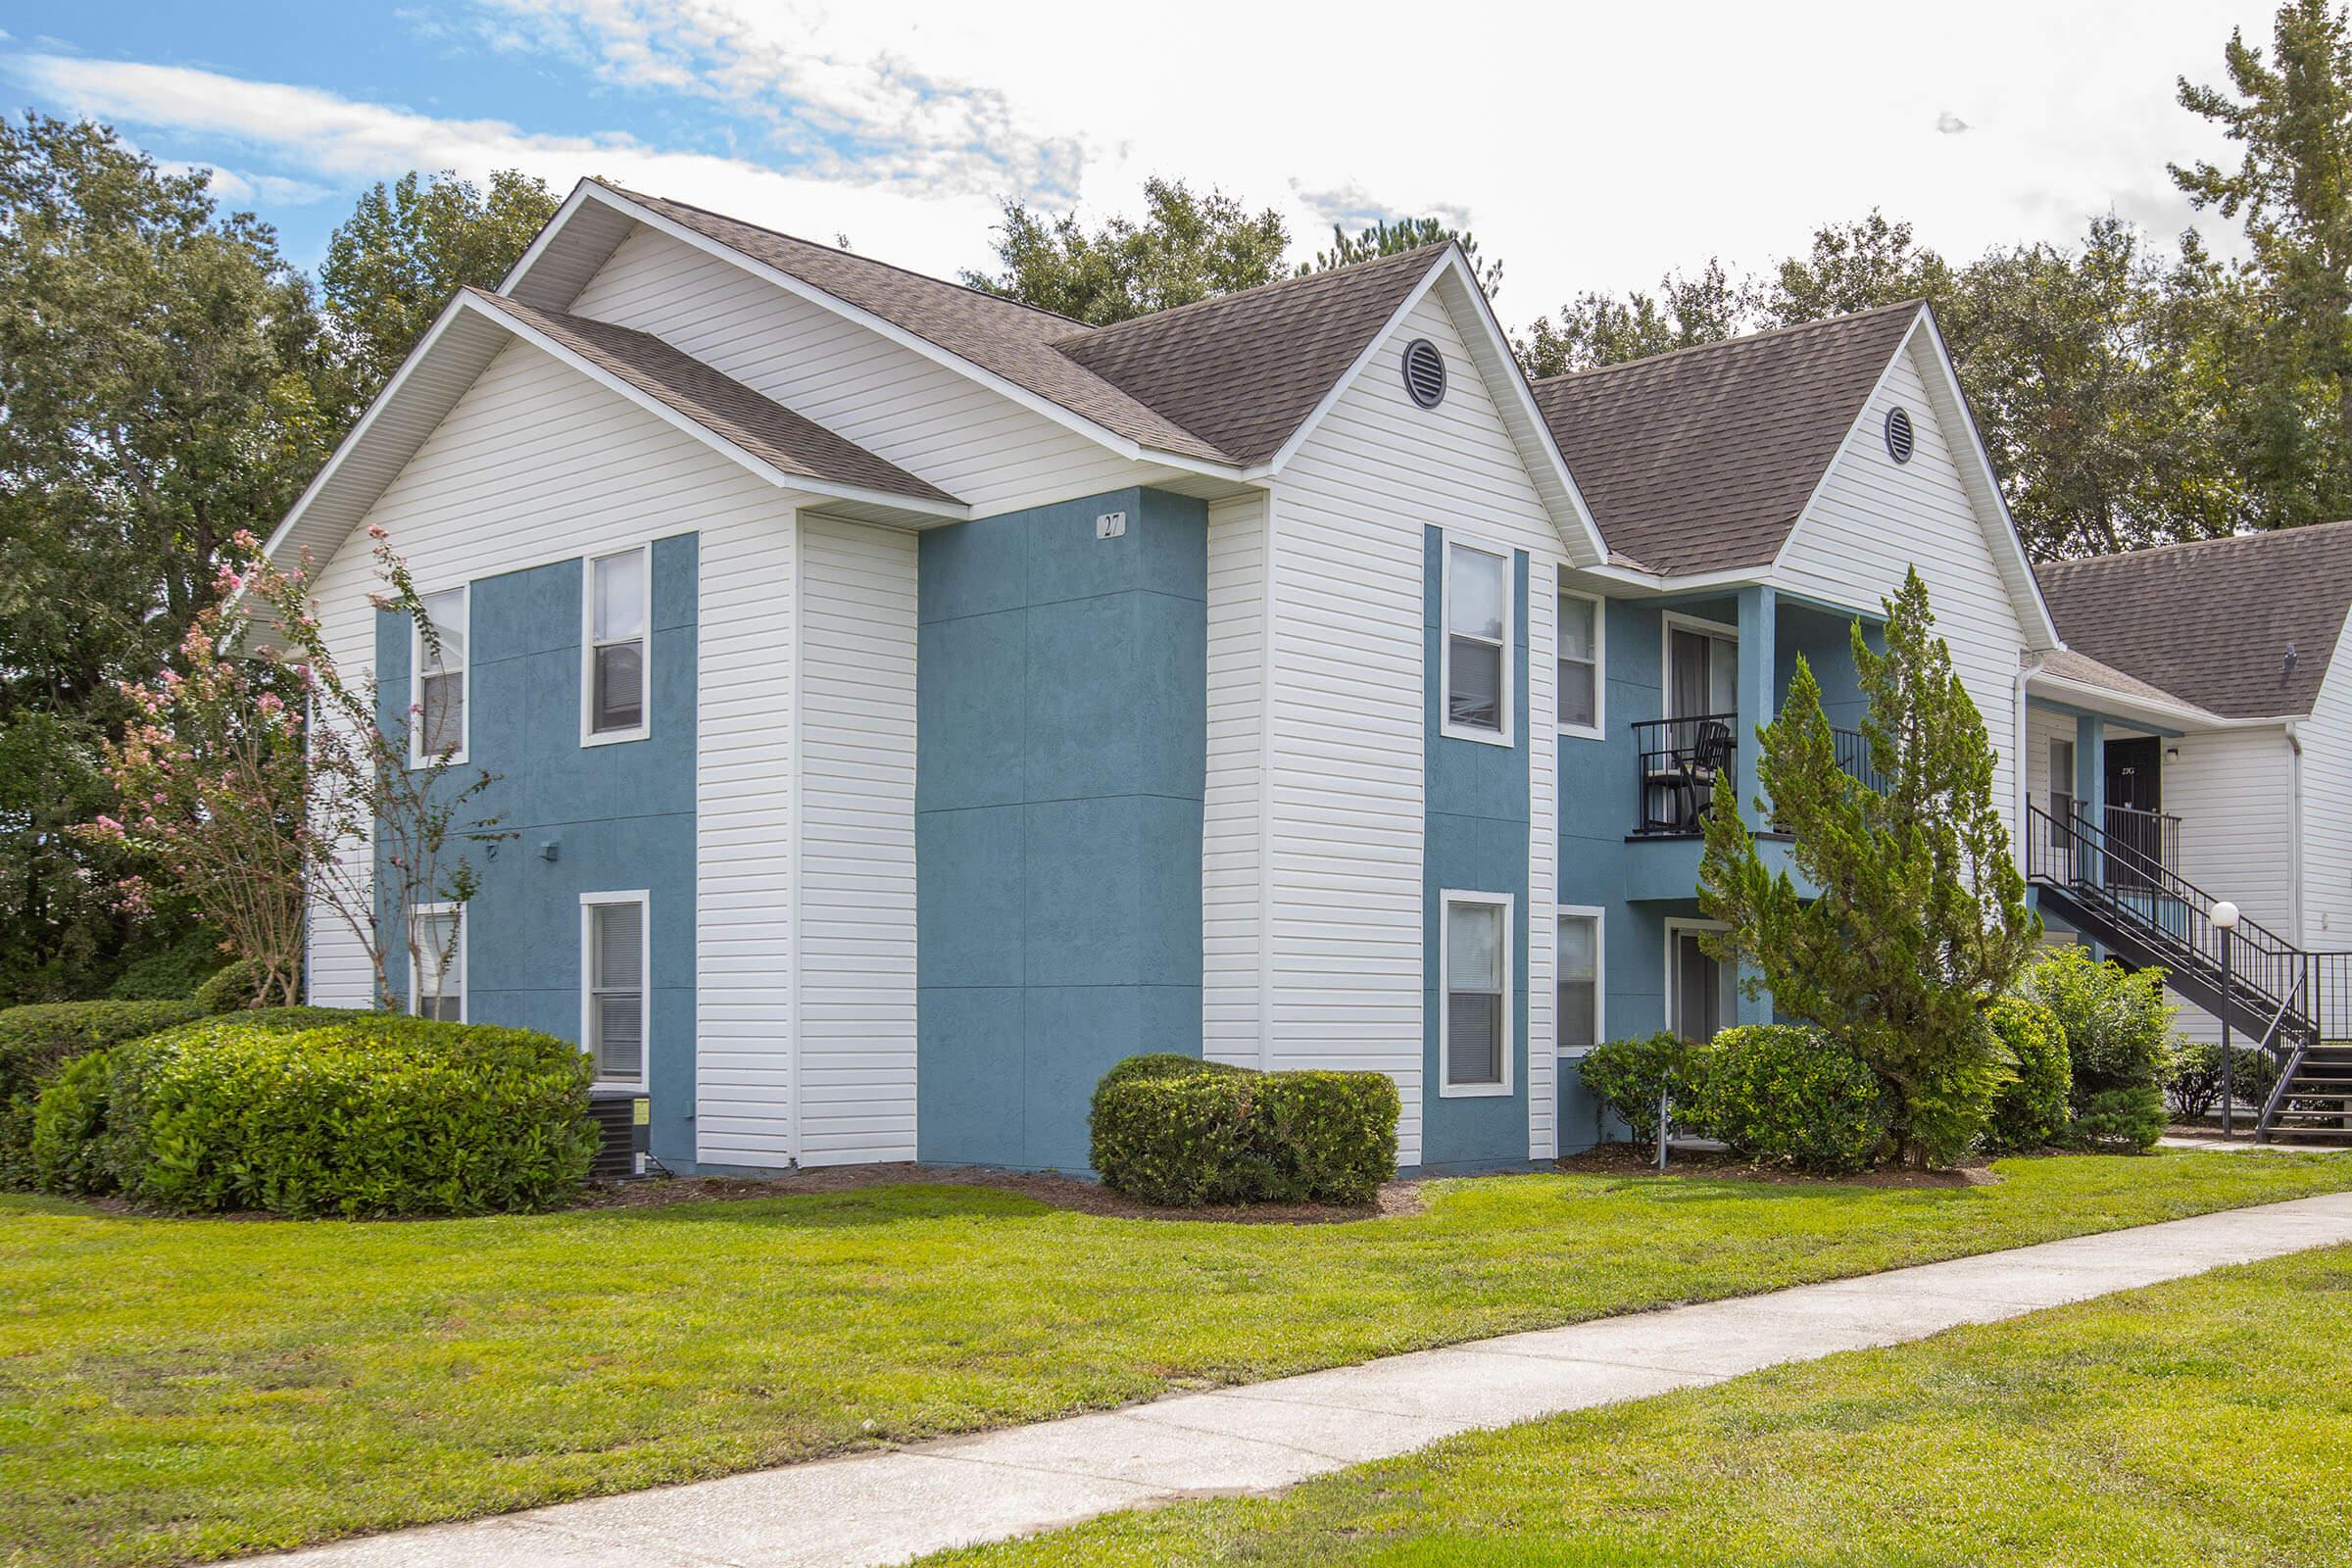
[1592, 152]
[239, 186]
[336, 139]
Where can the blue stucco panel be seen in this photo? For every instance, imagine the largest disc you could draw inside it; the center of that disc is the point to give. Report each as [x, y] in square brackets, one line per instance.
[616, 817]
[1474, 839]
[1062, 699]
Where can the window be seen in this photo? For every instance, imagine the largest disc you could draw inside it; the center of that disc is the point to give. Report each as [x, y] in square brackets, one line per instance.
[1478, 645]
[1702, 670]
[1578, 976]
[614, 970]
[2062, 781]
[437, 679]
[1474, 1027]
[614, 665]
[1699, 996]
[437, 962]
[1578, 683]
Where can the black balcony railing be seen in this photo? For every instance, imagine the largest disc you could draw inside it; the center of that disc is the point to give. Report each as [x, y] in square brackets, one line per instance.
[1679, 763]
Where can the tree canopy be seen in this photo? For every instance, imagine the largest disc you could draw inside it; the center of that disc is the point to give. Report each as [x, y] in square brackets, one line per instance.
[1387, 238]
[1187, 247]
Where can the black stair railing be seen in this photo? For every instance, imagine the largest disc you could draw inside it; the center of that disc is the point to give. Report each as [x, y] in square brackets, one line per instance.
[2174, 917]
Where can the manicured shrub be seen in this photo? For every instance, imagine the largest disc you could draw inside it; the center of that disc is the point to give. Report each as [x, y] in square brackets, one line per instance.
[2192, 1077]
[306, 1111]
[1179, 1131]
[2030, 1109]
[235, 988]
[2117, 1024]
[69, 1130]
[1788, 1095]
[36, 1043]
[1628, 1075]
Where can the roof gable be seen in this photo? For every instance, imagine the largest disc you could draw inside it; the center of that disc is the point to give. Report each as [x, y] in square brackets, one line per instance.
[1244, 370]
[724, 414]
[1703, 460]
[2210, 621]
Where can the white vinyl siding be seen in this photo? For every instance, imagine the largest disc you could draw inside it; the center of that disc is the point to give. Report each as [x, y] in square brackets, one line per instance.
[856, 995]
[1872, 519]
[2233, 791]
[536, 463]
[1343, 854]
[977, 444]
[2326, 809]
[1543, 854]
[1233, 805]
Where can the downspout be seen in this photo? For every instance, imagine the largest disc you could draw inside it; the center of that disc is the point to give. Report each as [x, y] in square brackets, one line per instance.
[2294, 832]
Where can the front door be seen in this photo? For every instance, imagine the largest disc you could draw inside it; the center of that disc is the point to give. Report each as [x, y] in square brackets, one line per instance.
[1699, 989]
[2135, 798]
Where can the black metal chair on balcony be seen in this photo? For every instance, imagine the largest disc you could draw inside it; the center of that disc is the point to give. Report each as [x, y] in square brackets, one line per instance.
[1707, 758]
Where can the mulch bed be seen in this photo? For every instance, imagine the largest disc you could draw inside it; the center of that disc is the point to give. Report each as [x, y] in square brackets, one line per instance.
[1641, 1159]
[1058, 1192]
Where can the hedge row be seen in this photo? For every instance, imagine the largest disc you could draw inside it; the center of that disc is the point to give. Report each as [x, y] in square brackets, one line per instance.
[39, 1041]
[1181, 1131]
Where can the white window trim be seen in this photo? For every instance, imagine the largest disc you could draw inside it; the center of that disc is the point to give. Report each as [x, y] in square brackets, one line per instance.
[1668, 625]
[1730, 972]
[1507, 736]
[589, 734]
[589, 901]
[1599, 727]
[1447, 1088]
[418, 758]
[415, 971]
[1600, 973]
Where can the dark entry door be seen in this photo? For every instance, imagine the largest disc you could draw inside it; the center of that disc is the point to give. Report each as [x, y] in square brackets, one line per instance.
[2134, 797]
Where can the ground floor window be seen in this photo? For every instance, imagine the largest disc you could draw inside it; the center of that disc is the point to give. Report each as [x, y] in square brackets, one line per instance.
[1700, 999]
[1579, 965]
[437, 962]
[1474, 982]
[614, 982]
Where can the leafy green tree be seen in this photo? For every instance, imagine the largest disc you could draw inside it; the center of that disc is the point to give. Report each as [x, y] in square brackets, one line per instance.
[1384, 238]
[2291, 116]
[393, 263]
[165, 385]
[1921, 916]
[1189, 247]
[1850, 267]
[1596, 329]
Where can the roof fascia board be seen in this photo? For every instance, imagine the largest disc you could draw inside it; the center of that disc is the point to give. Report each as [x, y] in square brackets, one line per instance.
[366, 422]
[550, 234]
[2065, 694]
[1678, 582]
[1045, 407]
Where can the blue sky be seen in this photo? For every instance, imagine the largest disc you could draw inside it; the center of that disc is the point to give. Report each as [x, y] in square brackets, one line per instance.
[1585, 147]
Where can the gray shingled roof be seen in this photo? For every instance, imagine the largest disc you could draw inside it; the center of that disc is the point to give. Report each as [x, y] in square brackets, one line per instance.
[2211, 620]
[1246, 370]
[774, 434]
[2071, 664]
[1012, 340]
[1703, 460]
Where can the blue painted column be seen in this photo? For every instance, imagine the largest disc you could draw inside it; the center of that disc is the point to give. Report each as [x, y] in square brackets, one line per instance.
[1759, 700]
[2090, 781]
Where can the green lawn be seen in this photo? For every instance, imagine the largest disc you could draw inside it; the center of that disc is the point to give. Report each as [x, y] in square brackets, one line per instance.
[2203, 1422]
[178, 1389]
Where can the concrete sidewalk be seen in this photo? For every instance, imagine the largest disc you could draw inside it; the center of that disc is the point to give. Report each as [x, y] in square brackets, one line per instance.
[887, 1507]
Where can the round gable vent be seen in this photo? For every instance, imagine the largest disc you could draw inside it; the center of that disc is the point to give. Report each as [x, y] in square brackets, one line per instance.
[1900, 442]
[1425, 373]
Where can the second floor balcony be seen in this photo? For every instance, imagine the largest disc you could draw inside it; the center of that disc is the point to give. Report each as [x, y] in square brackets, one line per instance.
[1684, 765]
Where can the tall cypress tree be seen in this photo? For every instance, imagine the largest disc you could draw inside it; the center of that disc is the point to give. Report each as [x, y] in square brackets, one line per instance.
[1921, 915]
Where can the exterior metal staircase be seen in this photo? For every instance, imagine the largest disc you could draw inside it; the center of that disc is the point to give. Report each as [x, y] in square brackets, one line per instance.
[2112, 883]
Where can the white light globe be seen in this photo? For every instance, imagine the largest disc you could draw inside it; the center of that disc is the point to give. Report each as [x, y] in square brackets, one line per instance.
[2225, 915]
